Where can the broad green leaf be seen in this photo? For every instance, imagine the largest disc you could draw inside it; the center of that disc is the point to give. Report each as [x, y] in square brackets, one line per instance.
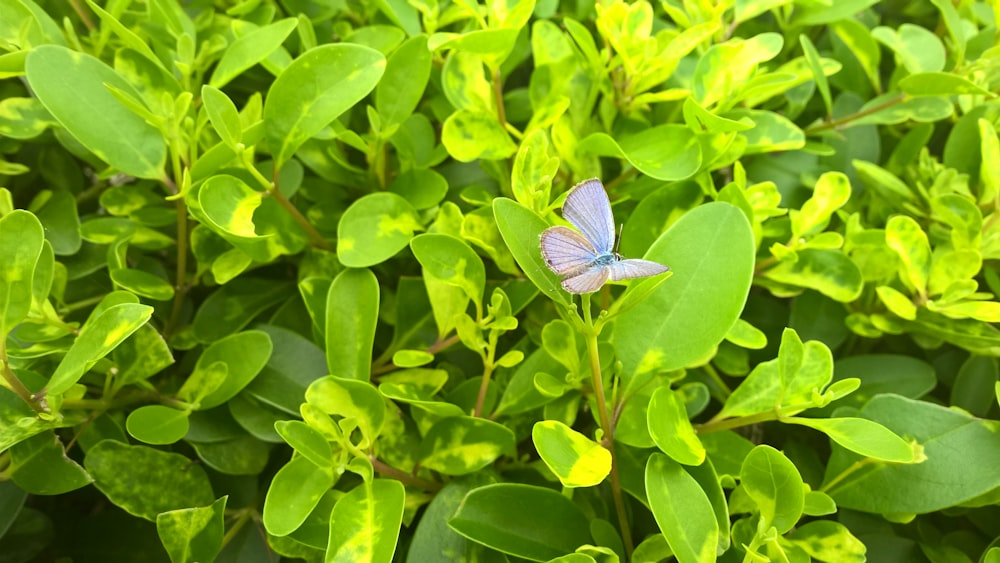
[451, 261]
[143, 283]
[940, 84]
[244, 354]
[725, 67]
[710, 250]
[193, 534]
[821, 14]
[989, 171]
[670, 428]
[433, 540]
[479, 227]
[664, 152]
[24, 118]
[157, 424]
[365, 523]
[973, 385]
[934, 484]
[144, 481]
[862, 45]
[526, 521]
[830, 272]
[459, 445]
[314, 90]
[575, 459]
[295, 490]
[894, 300]
[21, 238]
[917, 48]
[885, 373]
[66, 80]
[351, 399]
[229, 205]
[910, 243]
[374, 228]
[406, 74]
[521, 229]
[243, 455]
[234, 305]
[97, 339]
[40, 466]
[61, 219]
[351, 314]
[250, 49]
[774, 484]
[294, 364]
[141, 356]
[412, 358]
[772, 132]
[422, 188]
[861, 436]
[492, 45]
[682, 510]
[306, 440]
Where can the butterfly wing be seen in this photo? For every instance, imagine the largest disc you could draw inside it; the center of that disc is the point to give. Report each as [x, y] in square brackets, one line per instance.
[587, 281]
[566, 251]
[634, 268]
[588, 208]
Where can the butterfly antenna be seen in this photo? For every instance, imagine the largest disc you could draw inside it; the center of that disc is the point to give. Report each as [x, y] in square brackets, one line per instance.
[618, 242]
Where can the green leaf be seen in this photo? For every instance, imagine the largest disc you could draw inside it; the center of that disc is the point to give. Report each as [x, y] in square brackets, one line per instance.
[193, 534]
[575, 459]
[521, 229]
[60, 217]
[827, 540]
[422, 188]
[664, 152]
[229, 205]
[774, 484]
[972, 387]
[526, 521]
[355, 400]
[314, 90]
[402, 86]
[223, 115]
[795, 378]
[830, 272]
[670, 428]
[66, 80]
[21, 238]
[940, 84]
[910, 243]
[40, 466]
[710, 250]
[917, 48]
[813, 58]
[99, 336]
[459, 445]
[374, 228]
[250, 49]
[306, 440]
[234, 305]
[295, 490]
[862, 436]
[143, 283]
[365, 523]
[470, 135]
[682, 510]
[938, 481]
[351, 314]
[831, 192]
[157, 424]
[145, 482]
[243, 355]
[451, 261]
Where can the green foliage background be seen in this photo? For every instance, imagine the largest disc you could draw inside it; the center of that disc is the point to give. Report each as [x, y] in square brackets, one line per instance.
[270, 281]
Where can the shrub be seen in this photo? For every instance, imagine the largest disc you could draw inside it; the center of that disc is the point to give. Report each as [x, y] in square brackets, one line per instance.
[272, 282]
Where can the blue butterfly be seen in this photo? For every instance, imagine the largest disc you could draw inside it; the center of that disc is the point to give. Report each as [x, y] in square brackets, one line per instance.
[586, 261]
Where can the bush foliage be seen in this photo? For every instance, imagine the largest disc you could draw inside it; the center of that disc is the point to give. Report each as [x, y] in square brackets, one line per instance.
[271, 284]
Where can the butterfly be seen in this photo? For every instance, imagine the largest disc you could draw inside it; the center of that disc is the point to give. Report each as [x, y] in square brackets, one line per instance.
[586, 261]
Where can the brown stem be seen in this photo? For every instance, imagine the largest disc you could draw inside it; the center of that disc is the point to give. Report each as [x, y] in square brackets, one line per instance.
[498, 97]
[317, 239]
[180, 275]
[834, 124]
[403, 477]
[12, 380]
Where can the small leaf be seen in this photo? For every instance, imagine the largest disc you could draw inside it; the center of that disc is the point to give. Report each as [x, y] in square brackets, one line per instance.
[521, 229]
[356, 400]
[905, 236]
[682, 510]
[250, 49]
[575, 459]
[463, 444]
[374, 228]
[664, 152]
[774, 484]
[671, 429]
[451, 261]
[351, 315]
[40, 466]
[223, 115]
[193, 534]
[21, 239]
[295, 490]
[157, 424]
[862, 436]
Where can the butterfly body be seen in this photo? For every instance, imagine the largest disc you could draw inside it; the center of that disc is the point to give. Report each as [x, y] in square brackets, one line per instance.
[586, 259]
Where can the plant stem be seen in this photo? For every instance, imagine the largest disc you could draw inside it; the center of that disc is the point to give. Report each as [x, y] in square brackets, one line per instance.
[498, 97]
[608, 440]
[405, 478]
[180, 276]
[317, 239]
[13, 382]
[487, 374]
[834, 124]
